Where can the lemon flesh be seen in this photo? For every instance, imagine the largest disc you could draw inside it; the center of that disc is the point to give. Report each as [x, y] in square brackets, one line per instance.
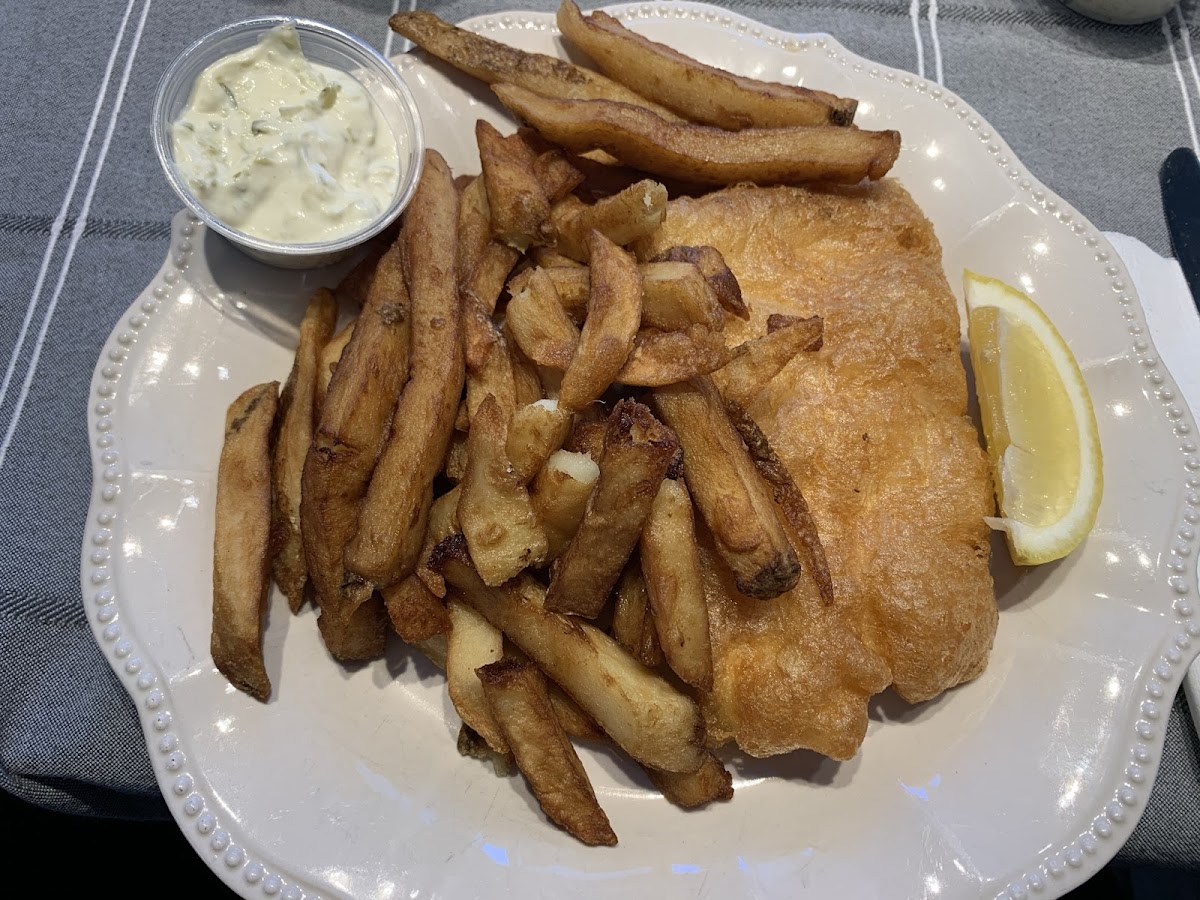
[1038, 422]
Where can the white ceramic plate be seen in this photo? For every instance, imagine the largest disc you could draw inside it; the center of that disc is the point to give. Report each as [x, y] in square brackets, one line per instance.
[1024, 782]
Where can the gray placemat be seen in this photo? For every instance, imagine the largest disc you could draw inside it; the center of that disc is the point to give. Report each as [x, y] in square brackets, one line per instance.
[1091, 109]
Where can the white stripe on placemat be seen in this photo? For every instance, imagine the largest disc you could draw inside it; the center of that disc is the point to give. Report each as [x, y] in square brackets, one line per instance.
[937, 44]
[914, 13]
[60, 220]
[1165, 23]
[76, 232]
[387, 42]
[1187, 47]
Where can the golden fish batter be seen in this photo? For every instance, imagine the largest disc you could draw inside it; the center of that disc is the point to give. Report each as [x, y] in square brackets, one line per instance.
[873, 428]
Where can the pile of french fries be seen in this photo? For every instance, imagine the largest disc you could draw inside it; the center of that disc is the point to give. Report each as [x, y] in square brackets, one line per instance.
[506, 455]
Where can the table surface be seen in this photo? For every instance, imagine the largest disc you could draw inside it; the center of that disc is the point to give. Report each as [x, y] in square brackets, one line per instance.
[1092, 110]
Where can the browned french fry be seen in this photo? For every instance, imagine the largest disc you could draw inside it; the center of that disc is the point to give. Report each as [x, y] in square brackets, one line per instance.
[443, 522]
[623, 218]
[587, 436]
[491, 62]
[327, 362]
[556, 175]
[633, 621]
[674, 581]
[651, 720]
[527, 377]
[709, 783]
[516, 694]
[614, 312]
[758, 361]
[720, 278]
[392, 519]
[473, 642]
[456, 457]
[574, 720]
[358, 636]
[415, 613]
[495, 511]
[355, 421]
[486, 283]
[560, 495]
[706, 155]
[538, 322]
[637, 451]
[666, 357]
[674, 295]
[352, 290]
[733, 498]
[547, 257]
[788, 496]
[470, 743]
[536, 431]
[686, 86]
[489, 364]
[519, 209]
[241, 543]
[434, 649]
[483, 262]
[291, 446]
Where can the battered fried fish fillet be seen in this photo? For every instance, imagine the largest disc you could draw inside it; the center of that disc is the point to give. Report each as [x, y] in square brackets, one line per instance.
[873, 429]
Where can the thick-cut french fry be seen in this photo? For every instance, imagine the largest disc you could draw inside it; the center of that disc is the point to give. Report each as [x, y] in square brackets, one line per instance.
[434, 649]
[538, 322]
[473, 642]
[354, 287]
[519, 208]
[491, 62]
[536, 431]
[587, 436]
[560, 495]
[709, 783]
[354, 425]
[648, 718]
[327, 362]
[614, 312]
[633, 621]
[686, 86]
[556, 175]
[638, 449]
[720, 278]
[489, 364]
[547, 257]
[574, 720]
[483, 262]
[291, 446]
[733, 498]
[471, 744]
[675, 584]
[241, 564]
[706, 155]
[516, 694]
[394, 511]
[623, 218]
[415, 613]
[758, 361]
[358, 636]
[666, 357]
[495, 511]
[788, 496]
[456, 457]
[527, 377]
[675, 295]
[443, 522]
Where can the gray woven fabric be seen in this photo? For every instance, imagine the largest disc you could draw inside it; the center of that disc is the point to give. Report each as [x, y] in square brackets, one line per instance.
[1092, 110]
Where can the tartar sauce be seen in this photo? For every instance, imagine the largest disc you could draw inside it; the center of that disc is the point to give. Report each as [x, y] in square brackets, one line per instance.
[285, 149]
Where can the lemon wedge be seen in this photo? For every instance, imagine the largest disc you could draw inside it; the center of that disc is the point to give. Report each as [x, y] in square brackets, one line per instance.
[1038, 421]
